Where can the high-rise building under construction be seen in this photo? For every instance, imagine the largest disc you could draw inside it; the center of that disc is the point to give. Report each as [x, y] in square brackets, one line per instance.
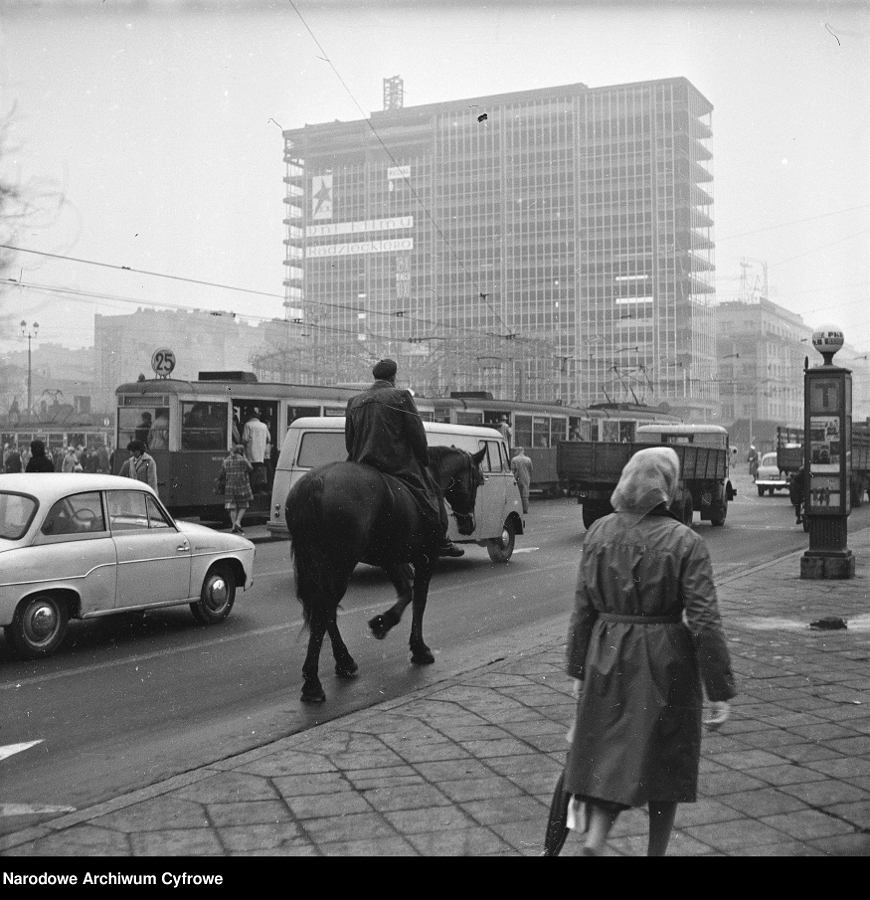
[551, 244]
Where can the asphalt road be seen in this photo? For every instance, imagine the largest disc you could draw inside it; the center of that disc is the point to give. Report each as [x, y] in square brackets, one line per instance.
[132, 700]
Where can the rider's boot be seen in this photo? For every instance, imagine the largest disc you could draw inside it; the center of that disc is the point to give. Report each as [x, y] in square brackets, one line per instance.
[446, 547]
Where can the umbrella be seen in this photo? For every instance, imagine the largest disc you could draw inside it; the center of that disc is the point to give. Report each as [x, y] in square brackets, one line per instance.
[557, 829]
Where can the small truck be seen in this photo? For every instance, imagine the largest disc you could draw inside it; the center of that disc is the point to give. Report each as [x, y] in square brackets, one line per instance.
[590, 470]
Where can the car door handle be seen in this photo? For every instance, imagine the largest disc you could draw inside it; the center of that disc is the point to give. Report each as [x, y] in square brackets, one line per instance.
[182, 549]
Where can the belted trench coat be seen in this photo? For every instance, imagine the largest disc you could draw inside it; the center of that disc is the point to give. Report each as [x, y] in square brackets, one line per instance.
[645, 636]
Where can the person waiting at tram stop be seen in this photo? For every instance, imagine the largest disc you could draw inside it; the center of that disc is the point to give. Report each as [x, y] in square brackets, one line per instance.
[39, 461]
[383, 429]
[645, 639]
[797, 489]
[140, 464]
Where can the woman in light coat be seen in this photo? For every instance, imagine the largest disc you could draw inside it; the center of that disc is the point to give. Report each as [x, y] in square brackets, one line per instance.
[645, 637]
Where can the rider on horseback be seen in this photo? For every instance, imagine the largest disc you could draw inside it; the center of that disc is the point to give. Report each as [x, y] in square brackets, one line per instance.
[383, 429]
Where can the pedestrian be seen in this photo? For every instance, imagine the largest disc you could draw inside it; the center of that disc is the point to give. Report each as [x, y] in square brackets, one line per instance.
[645, 636]
[140, 464]
[797, 493]
[69, 460]
[256, 438]
[102, 459]
[752, 459]
[13, 460]
[235, 475]
[38, 461]
[505, 430]
[521, 466]
[383, 429]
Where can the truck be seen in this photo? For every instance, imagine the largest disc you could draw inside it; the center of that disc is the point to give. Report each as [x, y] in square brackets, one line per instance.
[590, 470]
[790, 457]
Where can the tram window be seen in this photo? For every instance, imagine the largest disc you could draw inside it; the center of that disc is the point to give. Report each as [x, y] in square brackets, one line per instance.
[204, 425]
[298, 412]
[610, 430]
[139, 423]
[522, 431]
[541, 431]
[626, 431]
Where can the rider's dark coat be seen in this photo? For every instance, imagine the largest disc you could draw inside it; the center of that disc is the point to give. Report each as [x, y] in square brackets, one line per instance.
[383, 429]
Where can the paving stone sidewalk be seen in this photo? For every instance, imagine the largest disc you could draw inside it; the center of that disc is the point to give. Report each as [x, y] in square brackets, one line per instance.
[466, 767]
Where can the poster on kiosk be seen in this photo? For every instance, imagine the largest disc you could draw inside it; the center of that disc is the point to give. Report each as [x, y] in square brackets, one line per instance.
[828, 426]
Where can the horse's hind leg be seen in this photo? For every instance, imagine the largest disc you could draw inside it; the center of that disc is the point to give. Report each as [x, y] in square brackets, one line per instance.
[421, 655]
[400, 574]
[312, 689]
[345, 666]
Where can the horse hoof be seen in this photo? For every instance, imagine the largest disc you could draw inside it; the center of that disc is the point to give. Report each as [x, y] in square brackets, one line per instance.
[346, 670]
[378, 626]
[422, 658]
[316, 696]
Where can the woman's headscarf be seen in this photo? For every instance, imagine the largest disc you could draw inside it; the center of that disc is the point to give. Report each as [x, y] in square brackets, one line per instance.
[649, 478]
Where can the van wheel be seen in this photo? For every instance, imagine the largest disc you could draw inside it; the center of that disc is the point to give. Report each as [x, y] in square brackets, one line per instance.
[501, 549]
[38, 626]
[217, 596]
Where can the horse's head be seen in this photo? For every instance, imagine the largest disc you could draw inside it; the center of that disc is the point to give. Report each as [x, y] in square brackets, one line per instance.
[459, 476]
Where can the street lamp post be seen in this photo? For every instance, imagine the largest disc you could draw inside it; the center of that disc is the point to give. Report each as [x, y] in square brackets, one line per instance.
[29, 335]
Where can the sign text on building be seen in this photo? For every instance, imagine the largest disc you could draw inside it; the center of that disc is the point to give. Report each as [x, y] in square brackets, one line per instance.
[335, 228]
[383, 246]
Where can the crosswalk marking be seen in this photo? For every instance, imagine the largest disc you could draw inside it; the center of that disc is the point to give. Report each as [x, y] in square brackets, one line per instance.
[12, 749]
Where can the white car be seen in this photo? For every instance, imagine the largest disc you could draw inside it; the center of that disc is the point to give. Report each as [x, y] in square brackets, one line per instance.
[769, 477]
[78, 546]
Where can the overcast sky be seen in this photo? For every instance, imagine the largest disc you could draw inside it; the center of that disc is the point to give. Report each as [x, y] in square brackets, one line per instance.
[152, 137]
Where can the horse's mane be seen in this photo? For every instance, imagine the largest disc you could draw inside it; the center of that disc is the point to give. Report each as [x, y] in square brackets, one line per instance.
[437, 456]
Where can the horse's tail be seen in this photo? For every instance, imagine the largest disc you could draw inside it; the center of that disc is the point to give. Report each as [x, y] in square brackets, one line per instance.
[303, 513]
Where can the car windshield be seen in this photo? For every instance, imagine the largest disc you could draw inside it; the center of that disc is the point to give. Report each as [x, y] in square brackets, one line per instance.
[16, 514]
[769, 459]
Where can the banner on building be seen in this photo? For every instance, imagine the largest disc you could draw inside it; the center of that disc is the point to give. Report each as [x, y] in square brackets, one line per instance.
[385, 246]
[321, 197]
[364, 227]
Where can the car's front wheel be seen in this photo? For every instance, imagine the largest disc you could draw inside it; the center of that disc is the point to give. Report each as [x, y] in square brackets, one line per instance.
[38, 626]
[501, 549]
[217, 596]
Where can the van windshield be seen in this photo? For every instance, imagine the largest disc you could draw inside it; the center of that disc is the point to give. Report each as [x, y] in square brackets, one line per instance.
[318, 448]
[16, 514]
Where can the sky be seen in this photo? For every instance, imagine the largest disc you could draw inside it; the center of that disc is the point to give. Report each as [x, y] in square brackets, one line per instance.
[148, 135]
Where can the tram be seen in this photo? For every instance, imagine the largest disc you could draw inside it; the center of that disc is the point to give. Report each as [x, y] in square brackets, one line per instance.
[189, 425]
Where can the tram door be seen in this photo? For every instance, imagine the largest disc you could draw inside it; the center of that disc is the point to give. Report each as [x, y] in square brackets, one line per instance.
[267, 412]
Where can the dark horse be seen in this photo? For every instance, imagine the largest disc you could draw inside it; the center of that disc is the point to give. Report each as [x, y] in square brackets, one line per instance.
[345, 513]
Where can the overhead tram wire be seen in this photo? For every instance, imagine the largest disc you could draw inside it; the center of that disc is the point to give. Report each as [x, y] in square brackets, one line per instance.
[483, 295]
[94, 298]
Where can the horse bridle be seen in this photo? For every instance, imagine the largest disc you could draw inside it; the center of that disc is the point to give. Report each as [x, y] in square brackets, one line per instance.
[476, 482]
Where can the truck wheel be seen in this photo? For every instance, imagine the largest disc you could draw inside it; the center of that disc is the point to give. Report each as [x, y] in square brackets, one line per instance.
[688, 510]
[761, 492]
[592, 512]
[500, 549]
[719, 512]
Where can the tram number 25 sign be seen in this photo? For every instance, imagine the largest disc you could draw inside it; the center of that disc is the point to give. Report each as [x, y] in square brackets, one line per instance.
[163, 362]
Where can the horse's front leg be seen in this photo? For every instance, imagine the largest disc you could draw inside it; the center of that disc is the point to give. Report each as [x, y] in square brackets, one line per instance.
[400, 574]
[312, 689]
[421, 655]
[345, 666]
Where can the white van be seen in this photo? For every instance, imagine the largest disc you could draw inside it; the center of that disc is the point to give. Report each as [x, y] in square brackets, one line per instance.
[311, 442]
